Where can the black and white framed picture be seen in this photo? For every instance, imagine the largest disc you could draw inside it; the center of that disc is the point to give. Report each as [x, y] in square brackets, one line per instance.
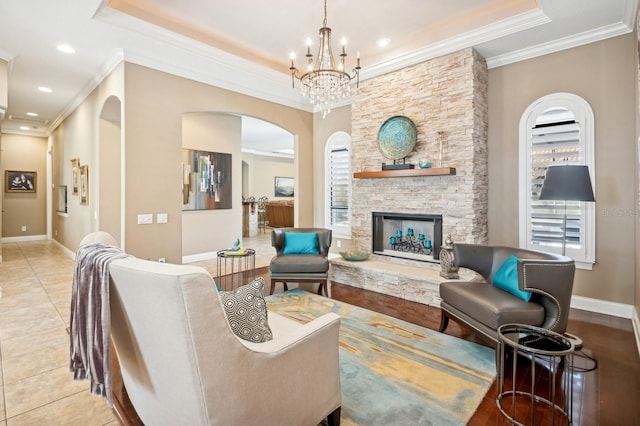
[19, 181]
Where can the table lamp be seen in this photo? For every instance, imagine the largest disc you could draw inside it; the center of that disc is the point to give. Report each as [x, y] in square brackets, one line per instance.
[567, 183]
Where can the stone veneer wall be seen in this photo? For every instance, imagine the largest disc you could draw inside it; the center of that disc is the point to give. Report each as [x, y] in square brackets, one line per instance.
[446, 94]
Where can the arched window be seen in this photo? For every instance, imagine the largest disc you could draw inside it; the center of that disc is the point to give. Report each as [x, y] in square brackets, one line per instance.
[556, 129]
[338, 184]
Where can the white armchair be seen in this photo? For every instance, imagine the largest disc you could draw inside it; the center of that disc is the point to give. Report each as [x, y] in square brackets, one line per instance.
[182, 364]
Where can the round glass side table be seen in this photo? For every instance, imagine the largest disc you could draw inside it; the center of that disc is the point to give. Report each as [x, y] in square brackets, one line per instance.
[235, 268]
[551, 397]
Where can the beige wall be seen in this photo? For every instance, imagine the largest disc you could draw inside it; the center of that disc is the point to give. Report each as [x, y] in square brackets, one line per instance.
[637, 183]
[154, 105]
[602, 73]
[339, 120]
[110, 176]
[262, 171]
[4, 84]
[205, 231]
[26, 153]
[79, 136]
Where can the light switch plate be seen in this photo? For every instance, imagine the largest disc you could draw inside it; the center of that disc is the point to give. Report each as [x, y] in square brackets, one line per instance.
[145, 219]
[162, 218]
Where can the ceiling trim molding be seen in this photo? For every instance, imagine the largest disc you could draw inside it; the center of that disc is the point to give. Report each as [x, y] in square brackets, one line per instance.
[6, 55]
[521, 22]
[107, 68]
[267, 154]
[204, 63]
[561, 44]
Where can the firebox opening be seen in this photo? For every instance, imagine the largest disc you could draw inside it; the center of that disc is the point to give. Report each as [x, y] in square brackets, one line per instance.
[409, 236]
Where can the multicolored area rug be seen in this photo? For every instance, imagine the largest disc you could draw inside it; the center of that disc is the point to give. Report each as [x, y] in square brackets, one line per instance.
[394, 372]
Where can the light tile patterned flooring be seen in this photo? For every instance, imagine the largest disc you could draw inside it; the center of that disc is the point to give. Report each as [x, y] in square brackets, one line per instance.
[36, 387]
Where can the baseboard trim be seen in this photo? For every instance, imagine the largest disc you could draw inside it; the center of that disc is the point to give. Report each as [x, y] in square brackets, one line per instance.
[198, 257]
[66, 251]
[615, 309]
[610, 308]
[23, 239]
[636, 328]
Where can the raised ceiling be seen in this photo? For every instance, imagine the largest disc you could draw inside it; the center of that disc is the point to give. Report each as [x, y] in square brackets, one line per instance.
[244, 45]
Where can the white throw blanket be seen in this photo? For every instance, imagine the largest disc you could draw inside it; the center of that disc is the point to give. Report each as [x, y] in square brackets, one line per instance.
[90, 345]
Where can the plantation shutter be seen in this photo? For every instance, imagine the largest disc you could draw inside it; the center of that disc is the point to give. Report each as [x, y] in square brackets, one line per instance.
[339, 186]
[555, 140]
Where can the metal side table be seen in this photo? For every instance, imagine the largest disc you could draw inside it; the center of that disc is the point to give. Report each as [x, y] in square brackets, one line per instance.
[555, 353]
[235, 268]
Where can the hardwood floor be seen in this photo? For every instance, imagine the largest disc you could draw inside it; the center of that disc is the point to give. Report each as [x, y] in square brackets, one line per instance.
[608, 395]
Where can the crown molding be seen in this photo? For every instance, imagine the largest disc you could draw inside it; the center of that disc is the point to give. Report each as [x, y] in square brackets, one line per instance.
[107, 68]
[184, 57]
[569, 42]
[192, 59]
[521, 22]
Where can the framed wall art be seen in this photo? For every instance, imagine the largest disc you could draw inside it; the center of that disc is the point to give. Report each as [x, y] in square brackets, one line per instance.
[84, 185]
[283, 186]
[19, 181]
[75, 175]
[206, 180]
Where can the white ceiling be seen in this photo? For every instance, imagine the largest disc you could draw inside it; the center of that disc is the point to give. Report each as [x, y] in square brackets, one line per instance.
[244, 45]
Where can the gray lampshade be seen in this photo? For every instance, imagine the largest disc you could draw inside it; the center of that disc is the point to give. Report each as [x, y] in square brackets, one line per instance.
[569, 183]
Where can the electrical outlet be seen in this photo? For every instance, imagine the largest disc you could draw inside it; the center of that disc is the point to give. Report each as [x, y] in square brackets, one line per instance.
[24, 228]
[339, 243]
[145, 219]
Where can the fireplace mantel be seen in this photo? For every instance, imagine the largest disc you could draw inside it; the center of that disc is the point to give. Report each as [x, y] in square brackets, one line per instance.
[438, 171]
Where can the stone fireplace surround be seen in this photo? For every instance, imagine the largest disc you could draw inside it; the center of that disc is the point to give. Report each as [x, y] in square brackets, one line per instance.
[446, 98]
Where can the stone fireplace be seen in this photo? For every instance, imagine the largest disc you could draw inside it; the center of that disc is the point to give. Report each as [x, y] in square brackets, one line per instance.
[408, 236]
[446, 98]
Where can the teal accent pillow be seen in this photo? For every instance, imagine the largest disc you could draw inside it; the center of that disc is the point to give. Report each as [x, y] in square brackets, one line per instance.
[300, 243]
[507, 279]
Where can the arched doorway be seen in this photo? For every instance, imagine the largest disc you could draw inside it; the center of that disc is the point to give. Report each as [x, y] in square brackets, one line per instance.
[110, 170]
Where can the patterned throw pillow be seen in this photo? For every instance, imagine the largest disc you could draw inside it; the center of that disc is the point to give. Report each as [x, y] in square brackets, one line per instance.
[246, 312]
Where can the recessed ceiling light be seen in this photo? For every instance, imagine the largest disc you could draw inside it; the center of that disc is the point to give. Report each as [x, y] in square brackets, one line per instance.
[32, 114]
[383, 41]
[65, 48]
[45, 89]
[24, 128]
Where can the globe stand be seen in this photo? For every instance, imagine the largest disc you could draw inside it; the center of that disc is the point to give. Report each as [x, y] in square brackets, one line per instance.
[397, 165]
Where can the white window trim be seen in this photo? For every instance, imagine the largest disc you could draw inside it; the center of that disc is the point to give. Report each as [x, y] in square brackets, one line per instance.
[584, 115]
[339, 138]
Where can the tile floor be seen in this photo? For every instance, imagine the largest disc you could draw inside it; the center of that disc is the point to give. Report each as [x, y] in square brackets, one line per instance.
[36, 387]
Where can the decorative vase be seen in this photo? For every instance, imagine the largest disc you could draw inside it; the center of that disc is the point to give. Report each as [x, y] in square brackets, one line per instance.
[424, 163]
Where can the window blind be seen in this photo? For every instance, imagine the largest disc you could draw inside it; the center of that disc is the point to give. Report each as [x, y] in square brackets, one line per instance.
[554, 143]
[339, 186]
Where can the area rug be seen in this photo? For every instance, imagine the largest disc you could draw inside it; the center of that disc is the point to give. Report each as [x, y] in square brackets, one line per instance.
[396, 373]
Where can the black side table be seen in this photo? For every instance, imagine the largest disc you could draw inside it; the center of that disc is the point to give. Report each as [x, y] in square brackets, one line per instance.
[235, 268]
[552, 350]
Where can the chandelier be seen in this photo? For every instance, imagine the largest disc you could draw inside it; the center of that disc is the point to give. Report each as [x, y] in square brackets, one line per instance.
[324, 84]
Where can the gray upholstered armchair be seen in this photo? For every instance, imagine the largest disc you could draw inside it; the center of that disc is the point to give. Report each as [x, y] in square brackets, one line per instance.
[300, 267]
[484, 307]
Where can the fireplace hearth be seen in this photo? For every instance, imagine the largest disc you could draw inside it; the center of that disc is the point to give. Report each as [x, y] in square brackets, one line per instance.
[407, 235]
